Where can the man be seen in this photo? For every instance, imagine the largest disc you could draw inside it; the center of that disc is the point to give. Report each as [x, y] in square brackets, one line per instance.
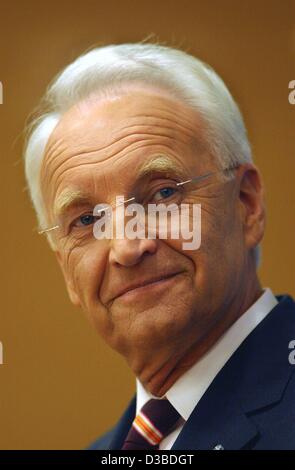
[208, 345]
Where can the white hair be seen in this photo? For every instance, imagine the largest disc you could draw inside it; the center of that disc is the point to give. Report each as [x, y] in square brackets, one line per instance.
[106, 68]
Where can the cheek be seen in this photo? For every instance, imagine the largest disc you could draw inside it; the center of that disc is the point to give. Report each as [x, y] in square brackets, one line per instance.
[219, 259]
[216, 231]
[86, 268]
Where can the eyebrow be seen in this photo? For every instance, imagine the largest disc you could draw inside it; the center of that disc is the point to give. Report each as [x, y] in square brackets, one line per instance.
[68, 198]
[161, 164]
[73, 197]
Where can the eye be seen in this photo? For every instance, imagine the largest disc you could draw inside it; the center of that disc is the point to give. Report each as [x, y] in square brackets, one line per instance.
[164, 193]
[84, 220]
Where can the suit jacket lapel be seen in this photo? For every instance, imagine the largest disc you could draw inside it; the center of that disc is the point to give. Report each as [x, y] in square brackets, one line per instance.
[254, 377]
[123, 426]
[217, 421]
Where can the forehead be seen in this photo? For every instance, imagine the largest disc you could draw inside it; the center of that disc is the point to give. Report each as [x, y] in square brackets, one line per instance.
[102, 120]
[112, 135]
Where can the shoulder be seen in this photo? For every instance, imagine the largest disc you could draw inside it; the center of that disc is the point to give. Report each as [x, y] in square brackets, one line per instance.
[103, 442]
[113, 439]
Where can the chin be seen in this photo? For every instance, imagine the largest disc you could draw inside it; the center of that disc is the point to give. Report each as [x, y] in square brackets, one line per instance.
[154, 328]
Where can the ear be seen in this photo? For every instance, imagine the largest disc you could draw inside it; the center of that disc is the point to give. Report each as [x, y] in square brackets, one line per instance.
[252, 206]
[69, 284]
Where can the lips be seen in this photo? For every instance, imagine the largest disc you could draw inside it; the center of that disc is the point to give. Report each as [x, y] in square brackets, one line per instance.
[145, 282]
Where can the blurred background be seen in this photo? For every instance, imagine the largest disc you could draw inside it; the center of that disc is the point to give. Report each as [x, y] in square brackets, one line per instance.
[60, 386]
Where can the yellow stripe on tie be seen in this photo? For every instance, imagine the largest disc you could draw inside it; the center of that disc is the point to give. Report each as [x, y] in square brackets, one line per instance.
[145, 427]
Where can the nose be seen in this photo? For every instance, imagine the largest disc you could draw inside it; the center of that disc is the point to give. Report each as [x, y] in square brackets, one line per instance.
[126, 252]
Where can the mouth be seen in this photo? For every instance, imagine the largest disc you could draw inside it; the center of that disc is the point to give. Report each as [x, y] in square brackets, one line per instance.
[147, 287]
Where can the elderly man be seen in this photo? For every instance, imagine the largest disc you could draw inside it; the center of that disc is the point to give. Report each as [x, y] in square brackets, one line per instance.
[207, 344]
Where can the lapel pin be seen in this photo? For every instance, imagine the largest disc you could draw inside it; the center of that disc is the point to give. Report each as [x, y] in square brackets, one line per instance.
[218, 447]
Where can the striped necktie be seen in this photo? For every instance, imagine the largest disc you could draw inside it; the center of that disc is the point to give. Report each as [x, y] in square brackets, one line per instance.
[154, 421]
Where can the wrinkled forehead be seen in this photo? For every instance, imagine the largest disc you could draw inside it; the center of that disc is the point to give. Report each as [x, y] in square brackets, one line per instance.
[103, 118]
[115, 132]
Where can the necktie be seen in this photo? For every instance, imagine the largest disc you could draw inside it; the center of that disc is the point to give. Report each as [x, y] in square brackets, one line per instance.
[154, 421]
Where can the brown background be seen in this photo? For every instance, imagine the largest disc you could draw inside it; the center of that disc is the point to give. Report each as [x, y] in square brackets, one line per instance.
[60, 386]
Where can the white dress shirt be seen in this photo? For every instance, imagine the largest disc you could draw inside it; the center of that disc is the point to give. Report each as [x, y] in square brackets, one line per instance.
[187, 391]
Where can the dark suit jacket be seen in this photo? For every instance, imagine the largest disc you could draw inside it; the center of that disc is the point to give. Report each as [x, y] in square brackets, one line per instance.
[251, 402]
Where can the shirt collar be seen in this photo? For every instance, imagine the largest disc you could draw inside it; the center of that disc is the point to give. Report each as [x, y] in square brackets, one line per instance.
[187, 391]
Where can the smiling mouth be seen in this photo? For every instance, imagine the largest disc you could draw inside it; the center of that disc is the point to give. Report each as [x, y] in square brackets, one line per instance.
[148, 287]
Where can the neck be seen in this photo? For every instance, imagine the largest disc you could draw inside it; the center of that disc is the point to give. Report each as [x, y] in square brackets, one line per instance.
[171, 372]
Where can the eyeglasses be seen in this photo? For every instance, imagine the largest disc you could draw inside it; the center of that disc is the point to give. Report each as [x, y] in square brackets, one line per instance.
[193, 180]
